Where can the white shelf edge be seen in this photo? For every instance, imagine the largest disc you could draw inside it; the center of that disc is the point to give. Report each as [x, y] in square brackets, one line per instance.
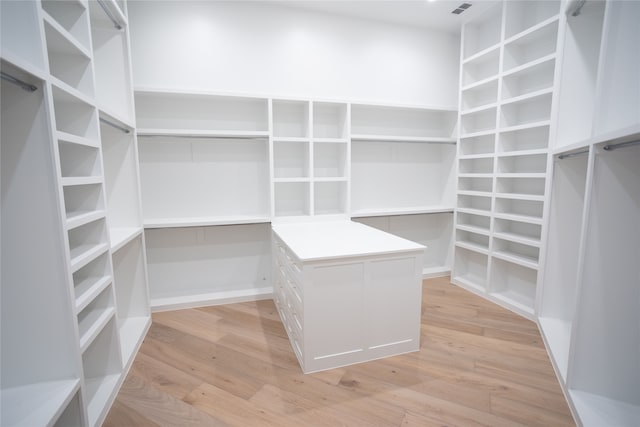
[519, 218]
[478, 133]
[473, 229]
[82, 301]
[121, 236]
[527, 96]
[474, 211]
[475, 175]
[532, 175]
[484, 52]
[532, 152]
[512, 237]
[109, 114]
[75, 139]
[467, 283]
[524, 33]
[596, 410]
[331, 140]
[474, 193]
[513, 304]
[392, 138]
[87, 256]
[331, 179]
[205, 299]
[66, 35]
[203, 221]
[542, 123]
[296, 179]
[518, 196]
[474, 247]
[75, 220]
[479, 109]
[39, 403]
[479, 83]
[70, 181]
[530, 64]
[516, 259]
[96, 327]
[300, 139]
[476, 156]
[199, 133]
[364, 213]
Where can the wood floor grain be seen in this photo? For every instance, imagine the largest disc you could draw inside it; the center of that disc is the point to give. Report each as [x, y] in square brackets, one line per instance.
[479, 365]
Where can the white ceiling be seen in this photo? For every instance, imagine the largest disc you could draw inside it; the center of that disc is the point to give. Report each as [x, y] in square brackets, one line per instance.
[435, 14]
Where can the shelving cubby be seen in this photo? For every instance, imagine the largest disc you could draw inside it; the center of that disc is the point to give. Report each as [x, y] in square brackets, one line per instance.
[513, 284]
[36, 390]
[21, 38]
[72, 16]
[483, 33]
[132, 296]
[330, 121]
[476, 146]
[524, 15]
[606, 326]
[580, 58]
[530, 138]
[210, 265]
[481, 95]
[291, 119]
[561, 273]
[291, 159]
[69, 60]
[481, 70]
[122, 186]
[111, 61]
[470, 268]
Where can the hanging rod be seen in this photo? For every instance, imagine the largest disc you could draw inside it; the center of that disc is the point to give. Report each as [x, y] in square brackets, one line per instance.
[575, 7]
[620, 145]
[151, 135]
[113, 125]
[113, 19]
[577, 153]
[24, 85]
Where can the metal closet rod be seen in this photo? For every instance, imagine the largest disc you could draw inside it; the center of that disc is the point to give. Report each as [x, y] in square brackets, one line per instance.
[620, 145]
[577, 153]
[113, 19]
[24, 85]
[114, 125]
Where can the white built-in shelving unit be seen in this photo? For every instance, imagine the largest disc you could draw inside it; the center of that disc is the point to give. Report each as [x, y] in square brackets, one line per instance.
[590, 299]
[69, 190]
[217, 169]
[507, 82]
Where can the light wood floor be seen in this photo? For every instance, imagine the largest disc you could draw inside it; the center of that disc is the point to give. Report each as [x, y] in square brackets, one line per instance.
[479, 365]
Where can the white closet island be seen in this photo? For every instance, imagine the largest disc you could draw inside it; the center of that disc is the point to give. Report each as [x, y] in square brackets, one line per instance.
[346, 292]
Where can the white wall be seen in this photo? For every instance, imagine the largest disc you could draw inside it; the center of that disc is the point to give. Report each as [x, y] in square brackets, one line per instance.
[264, 49]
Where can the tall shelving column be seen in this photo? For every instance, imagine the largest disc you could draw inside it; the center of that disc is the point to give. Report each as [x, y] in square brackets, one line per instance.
[114, 98]
[204, 169]
[508, 83]
[589, 309]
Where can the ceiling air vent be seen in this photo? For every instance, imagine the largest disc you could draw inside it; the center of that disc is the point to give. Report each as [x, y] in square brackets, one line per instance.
[461, 8]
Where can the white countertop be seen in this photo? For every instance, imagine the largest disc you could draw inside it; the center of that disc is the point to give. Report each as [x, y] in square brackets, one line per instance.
[314, 241]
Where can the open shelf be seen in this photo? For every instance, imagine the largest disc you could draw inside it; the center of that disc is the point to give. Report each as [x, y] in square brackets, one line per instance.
[516, 253]
[329, 120]
[516, 209]
[291, 159]
[204, 221]
[78, 160]
[181, 111]
[472, 240]
[482, 33]
[198, 178]
[330, 160]
[290, 119]
[513, 284]
[481, 70]
[525, 233]
[476, 203]
[529, 81]
[93, 318]
[102, 367]
[529, 138]
[37, 404]
[132, 300]
[69, 60]
[330, 198]
[72, 16]
[39, 366]
[480, 121]
[482, 185]
[521, 186]
[392, 175]
[207, 262]
[526, 110]
[479, 145]
[91, 280]
[531, 45]
[414, 210]
[524, 15]
[475, 166]
[83, 203]
[73, 115]
[522, 163]
[291, 199]
[607, 320]
[470, 268]
[87, 242]
[21, 35]
[385, 121]
[480, 95]
[479, 224]
[111, 63]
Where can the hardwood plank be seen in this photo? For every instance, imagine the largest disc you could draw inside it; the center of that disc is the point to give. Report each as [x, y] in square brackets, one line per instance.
[478, 365]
